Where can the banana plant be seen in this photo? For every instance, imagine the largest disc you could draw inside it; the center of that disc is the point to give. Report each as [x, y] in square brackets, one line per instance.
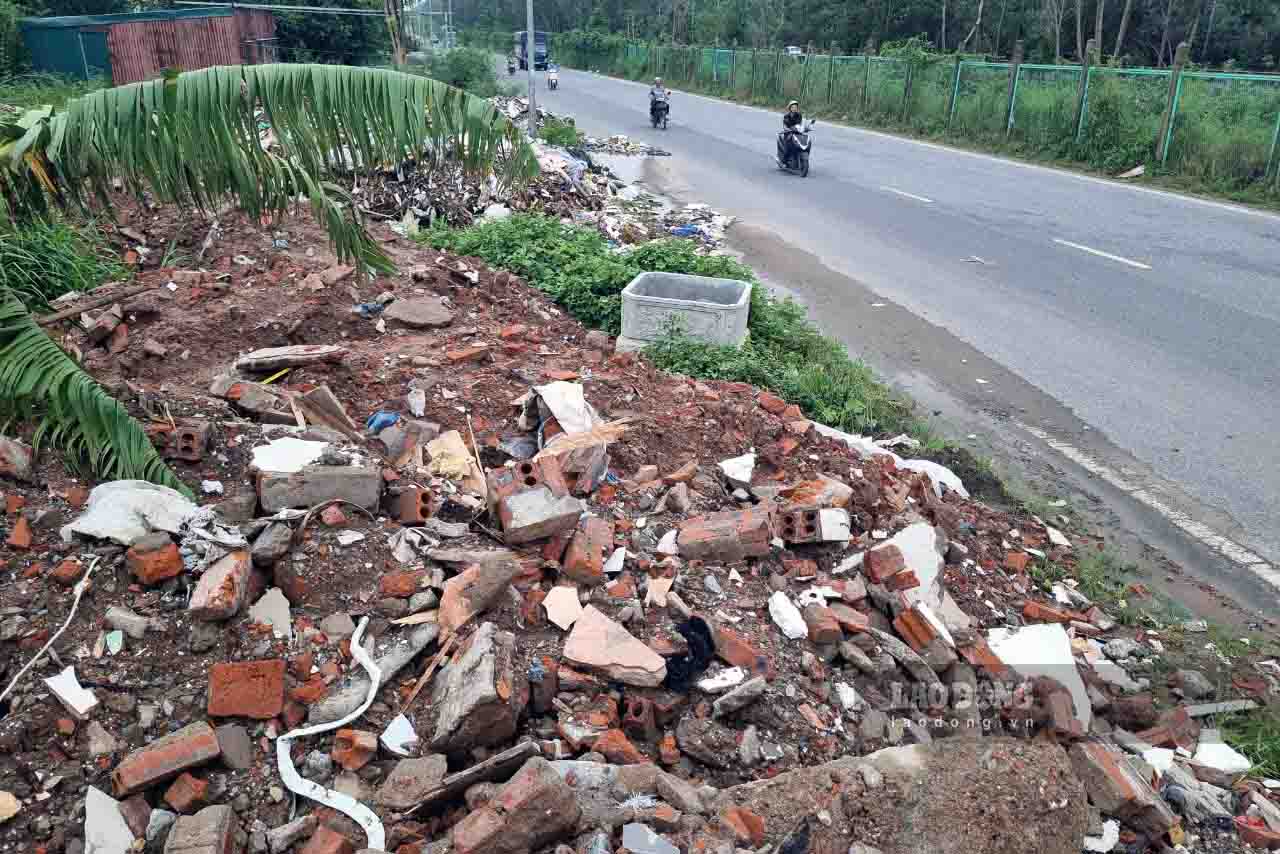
[196, 138]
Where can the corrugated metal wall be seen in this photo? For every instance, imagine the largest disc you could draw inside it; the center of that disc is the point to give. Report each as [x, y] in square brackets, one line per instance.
[140, 50]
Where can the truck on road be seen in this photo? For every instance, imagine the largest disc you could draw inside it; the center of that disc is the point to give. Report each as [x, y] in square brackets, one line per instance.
[521, 49]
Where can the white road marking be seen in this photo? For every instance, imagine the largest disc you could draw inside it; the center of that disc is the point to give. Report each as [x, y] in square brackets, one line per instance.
[907, 195]
[1102, 254]
[1224, 546]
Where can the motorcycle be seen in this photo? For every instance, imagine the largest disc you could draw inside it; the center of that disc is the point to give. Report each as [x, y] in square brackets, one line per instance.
[553, 80]
[511, 69]
[658, 111]
[794, 158]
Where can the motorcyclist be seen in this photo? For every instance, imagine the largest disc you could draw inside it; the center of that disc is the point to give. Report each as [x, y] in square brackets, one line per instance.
[792, 121]
[511, 64]
[658, 94]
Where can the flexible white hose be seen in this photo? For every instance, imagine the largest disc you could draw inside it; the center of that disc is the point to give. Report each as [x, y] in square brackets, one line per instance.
[345, 804]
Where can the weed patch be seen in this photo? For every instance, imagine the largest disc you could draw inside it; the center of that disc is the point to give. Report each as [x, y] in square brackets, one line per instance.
[784, 352]
[42, 260]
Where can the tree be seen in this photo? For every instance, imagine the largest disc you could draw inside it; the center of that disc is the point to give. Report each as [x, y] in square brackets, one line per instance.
[192, 139]
[1079, 29]
[1124, 26]
[1052, 14]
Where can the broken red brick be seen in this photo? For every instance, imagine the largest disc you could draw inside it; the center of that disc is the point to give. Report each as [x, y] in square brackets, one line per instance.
[66, 727]
[310, 691]
[68, 572]
[1017, 561]
[880, 563]
[513, 331]
[727, 536]
[823, 627]
[415, 505]
[904, 580]
[850, 620]
[467, 354]
[683, 474]
[250, 689]
[534, 808]
[737, 651]
[916, 629]
[13, 504]
[154, 558]
[224, 587]
[187, 793]
[1040, 612]
[618, 749]
[560, 374]
[20, 536]
[401, 585]
[771, 403]
[165, 758]
[668, 750]
[1116, 789]
[353, 748]
[326, 840]
[746, 826]
[584, 560]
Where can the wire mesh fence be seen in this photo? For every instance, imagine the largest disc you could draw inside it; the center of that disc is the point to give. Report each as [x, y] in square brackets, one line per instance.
[1221, 129]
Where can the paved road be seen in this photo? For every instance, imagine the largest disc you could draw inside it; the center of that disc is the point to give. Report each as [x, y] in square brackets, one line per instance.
[1153, 318]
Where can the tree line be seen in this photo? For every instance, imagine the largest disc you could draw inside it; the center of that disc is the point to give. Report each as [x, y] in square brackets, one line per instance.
[1230, 34]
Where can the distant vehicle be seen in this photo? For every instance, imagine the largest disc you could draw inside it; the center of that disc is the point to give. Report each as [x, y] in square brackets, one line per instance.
[792, 50]
[521, 44]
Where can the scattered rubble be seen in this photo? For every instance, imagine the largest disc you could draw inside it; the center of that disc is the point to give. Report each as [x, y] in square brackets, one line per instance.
[604, 607]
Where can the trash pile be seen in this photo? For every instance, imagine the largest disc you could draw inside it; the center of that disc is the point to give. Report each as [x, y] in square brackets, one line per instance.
[623, 144]
[459, 578]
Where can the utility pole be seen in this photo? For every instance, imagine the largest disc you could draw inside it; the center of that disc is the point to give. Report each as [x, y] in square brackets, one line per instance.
[531, 53]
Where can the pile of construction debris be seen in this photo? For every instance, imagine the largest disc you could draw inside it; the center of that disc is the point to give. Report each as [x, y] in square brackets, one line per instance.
[461, 579]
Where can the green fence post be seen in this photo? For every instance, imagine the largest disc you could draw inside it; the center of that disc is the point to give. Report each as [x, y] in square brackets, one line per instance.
[1082, 89]
[733, 70]
[907, 80]
[866, 82]
[804, 76]
[955, 92]
[1015, 66]
[1084, 105]
[1275, 137]
[777, 74]
[831, 72]
[1171, 105]
[751, 90]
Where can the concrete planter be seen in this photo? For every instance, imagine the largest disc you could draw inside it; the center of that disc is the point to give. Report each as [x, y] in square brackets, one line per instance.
[707, 309]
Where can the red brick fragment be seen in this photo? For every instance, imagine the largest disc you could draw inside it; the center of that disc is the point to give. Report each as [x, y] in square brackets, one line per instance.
[249, 689]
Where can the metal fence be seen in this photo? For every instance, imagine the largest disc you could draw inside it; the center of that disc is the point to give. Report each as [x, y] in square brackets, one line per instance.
[1214, 127]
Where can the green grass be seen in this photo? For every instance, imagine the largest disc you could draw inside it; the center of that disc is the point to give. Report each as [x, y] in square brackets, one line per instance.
[785, 352]
[35, 90]
[1257, 736]
[42, 260]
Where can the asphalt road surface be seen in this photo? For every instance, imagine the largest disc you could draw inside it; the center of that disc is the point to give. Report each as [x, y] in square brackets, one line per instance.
[1151, 319]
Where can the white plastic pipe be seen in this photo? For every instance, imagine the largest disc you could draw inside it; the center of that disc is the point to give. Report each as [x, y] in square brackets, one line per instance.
[345, 804]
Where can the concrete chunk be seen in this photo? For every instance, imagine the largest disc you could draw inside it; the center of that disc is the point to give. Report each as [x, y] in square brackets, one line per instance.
[313, 485]
[536, 514]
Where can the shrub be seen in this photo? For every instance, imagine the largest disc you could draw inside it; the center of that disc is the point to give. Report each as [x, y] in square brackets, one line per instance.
[467, 68]
[561, 133]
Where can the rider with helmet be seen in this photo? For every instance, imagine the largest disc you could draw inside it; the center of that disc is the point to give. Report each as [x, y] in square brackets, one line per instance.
[658, 94]
[792, 121]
